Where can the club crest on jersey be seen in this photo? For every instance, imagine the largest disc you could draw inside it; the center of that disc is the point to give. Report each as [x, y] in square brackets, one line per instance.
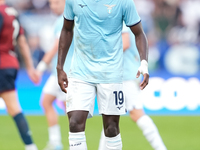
[109, 8]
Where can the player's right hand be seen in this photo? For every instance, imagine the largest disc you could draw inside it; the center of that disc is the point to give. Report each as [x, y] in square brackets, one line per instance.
[62, 80]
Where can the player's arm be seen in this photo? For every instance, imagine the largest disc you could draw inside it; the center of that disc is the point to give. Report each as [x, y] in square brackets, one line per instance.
[25, 51]
[64, 45]
[125, 40]
[142, 46]
[50, 54]
[43, 64]
[1, 21]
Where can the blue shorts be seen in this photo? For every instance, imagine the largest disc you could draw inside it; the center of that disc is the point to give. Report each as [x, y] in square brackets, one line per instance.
[7, 79]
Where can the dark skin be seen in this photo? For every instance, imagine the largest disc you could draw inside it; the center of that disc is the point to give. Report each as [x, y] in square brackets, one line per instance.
[142, 46]
[77, 119]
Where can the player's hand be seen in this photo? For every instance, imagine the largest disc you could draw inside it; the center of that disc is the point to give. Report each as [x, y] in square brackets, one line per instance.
[143, 69]
[62, 80]
[145, 80]
[39, 74]
[32, 73]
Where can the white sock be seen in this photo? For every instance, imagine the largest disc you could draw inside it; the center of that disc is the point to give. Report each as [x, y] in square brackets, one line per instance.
[55, 135]
[77, 141]
[114, 143]
[102, 142]
[150, 131]
[31, 147]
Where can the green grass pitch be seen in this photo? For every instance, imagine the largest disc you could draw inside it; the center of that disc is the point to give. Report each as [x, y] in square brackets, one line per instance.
[178, 132]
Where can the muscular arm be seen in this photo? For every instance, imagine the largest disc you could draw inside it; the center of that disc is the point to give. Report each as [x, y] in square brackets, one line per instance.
[65, 42]
[125, 40]
[64, 45]
[142, 46]
[141, 41]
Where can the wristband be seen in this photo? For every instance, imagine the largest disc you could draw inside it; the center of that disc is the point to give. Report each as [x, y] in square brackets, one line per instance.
[143, 67]
[42, 66]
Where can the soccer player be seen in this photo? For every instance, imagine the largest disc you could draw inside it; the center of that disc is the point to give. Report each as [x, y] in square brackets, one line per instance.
[51, 90]
[97, 64]
[10, 34]
[131, 90]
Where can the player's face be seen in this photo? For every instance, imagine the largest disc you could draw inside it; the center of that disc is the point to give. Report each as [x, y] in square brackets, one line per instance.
[57, 6]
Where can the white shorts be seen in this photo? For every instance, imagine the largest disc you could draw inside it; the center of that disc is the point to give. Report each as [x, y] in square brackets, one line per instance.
[132, 91]
[52, 88]
[81, 96]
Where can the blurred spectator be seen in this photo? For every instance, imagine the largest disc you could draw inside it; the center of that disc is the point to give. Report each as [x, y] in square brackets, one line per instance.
[164, 16]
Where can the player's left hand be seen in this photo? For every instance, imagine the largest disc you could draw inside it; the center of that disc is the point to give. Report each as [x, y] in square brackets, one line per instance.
[62, 80]
[35, 78]
[145, 80]
[143, 69]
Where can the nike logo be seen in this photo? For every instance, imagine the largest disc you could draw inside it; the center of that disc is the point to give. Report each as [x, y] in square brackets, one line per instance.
[119, 107]
[82, 5]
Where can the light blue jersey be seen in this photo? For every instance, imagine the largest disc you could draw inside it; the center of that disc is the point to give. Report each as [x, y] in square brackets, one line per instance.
[131, 58]
[57, 31]
[98, 51]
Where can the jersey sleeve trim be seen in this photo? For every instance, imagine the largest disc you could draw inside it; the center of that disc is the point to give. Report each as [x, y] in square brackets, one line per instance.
[68, 19]
[133, 24]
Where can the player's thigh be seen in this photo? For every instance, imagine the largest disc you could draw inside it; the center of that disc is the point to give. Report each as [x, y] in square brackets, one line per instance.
[11, 101]
[132, 91]
[80, 96]
[7, 90]
[110, 98]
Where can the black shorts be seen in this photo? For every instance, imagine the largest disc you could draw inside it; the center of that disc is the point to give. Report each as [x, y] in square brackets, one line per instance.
[7, 79]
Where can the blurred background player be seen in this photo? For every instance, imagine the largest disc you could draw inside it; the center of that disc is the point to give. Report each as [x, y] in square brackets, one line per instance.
[10, 34]
[131, 89]
[51, 90]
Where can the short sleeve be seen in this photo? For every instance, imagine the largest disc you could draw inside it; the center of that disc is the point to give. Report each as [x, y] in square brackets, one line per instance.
[130, 14]
[21, 31]
[68, 12]
[125, 29]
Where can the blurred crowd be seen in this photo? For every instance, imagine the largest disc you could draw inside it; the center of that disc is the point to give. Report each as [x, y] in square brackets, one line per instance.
[172, 28]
